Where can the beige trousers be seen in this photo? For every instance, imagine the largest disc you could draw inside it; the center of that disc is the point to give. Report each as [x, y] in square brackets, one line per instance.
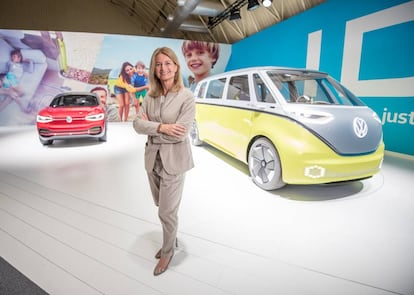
[167, 191]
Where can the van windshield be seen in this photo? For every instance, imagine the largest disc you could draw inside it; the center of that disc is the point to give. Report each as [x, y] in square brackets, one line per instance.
[74, 101]
[312, 88]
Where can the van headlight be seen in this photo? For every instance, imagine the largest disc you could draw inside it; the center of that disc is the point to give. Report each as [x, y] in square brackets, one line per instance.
[43, 119]
[96, 117]
[376, 118]
[314, 117]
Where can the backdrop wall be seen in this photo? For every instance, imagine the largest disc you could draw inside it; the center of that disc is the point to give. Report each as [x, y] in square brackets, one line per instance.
[367, 45]
[74, 61]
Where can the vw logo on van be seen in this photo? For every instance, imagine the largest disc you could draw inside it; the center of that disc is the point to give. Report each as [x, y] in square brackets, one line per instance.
[69, 119]
[360, 127]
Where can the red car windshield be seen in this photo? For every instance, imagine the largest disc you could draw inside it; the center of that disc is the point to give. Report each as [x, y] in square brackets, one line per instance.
[74, 101]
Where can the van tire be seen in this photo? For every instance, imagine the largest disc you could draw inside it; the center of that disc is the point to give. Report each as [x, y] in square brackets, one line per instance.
[264, 165]
[195, 139]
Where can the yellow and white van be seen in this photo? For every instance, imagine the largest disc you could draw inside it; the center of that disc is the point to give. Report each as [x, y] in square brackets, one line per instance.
[290, 126]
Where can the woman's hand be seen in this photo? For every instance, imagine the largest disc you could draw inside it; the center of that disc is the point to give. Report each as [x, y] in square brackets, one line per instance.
[176, 130]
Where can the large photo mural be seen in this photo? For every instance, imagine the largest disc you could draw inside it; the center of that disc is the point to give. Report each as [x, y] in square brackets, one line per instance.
[37, 65]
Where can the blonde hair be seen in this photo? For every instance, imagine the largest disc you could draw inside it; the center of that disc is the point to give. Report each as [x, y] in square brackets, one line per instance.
[155, 83]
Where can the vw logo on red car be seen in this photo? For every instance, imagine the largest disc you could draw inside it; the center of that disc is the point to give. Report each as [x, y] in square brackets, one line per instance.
[69, 119]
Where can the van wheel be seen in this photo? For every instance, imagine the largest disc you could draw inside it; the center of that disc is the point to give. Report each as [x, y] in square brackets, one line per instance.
[195, 139]
[264, 165]
[46, 141]
[103, 137]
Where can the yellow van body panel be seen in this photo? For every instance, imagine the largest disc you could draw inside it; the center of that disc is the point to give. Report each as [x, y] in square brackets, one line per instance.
[304, 157]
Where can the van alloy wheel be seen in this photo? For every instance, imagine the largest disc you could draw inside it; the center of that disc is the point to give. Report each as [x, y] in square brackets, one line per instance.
[264, 165]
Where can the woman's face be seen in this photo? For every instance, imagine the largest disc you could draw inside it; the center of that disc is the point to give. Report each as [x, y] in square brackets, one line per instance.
[199, 61]
[129, 70]
[165, 68]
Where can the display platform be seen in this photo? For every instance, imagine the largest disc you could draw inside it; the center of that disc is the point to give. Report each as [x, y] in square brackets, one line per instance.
[77, 218]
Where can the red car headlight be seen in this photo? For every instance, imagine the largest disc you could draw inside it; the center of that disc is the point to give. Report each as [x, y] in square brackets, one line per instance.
[95, 117]
[44, 119]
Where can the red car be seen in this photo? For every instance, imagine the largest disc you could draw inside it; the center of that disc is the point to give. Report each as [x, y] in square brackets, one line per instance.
[72, 115]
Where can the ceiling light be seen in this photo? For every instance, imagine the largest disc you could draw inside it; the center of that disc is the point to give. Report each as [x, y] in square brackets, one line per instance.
[235, 14]
[225, 14]
[267, 3]
[253, 4]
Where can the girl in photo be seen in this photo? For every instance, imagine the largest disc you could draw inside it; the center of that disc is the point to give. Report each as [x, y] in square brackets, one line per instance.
[123, 88]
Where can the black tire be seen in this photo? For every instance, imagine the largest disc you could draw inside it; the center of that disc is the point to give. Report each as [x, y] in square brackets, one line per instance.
[195, 139]
[46, 141]
[264, 165]
[103, 137]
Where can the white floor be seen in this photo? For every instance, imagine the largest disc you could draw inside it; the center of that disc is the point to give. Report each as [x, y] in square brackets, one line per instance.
[77, 218]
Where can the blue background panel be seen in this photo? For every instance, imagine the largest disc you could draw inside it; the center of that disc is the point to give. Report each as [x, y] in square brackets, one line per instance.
[388, 53]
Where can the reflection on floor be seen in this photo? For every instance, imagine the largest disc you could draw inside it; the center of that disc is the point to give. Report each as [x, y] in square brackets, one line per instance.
[77, 218]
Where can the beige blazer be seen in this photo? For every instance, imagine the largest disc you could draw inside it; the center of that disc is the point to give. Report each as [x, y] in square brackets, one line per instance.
[175, 107]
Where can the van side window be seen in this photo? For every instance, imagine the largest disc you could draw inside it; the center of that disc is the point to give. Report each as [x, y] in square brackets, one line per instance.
[239, 88]
[200, 93]
[262, 92]
[215, 88]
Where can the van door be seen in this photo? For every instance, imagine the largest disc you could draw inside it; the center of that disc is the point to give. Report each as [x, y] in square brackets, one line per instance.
[236, 118]
[209, 110]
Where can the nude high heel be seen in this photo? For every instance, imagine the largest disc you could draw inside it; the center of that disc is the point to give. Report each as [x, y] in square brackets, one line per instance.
[158, 254]
[160, 269]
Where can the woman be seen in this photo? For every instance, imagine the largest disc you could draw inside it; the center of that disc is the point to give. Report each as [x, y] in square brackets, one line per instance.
[123, 88]
[166, 116]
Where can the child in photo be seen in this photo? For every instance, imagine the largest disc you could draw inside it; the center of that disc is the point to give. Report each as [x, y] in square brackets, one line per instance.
[16, 66]
[200, 58]
[140, 81]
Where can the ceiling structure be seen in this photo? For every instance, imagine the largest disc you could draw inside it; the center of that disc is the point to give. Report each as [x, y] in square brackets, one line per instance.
[203, 20]
[208, 20]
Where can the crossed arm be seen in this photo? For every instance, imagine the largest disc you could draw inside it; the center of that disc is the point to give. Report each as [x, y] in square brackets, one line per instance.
[167, 132]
